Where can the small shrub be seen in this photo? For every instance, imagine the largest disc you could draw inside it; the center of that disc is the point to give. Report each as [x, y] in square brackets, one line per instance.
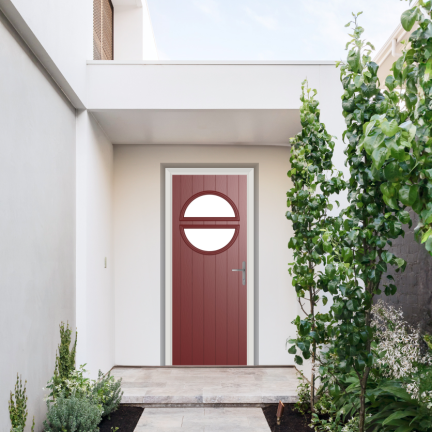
[402, 355]
[65, 361]
[18, 407]
[76, 384]
[303, 391]
[108, 392]
[326, 417]
[72, 414]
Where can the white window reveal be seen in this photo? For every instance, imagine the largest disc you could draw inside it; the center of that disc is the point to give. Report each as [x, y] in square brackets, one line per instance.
[209, 240]
[209, 206]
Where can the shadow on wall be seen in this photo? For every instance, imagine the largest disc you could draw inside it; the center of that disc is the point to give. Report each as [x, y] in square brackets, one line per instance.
[414, 286]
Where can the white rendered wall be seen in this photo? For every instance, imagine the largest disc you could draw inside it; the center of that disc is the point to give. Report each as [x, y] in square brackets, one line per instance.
[137, 245]
[211, 85]
[133, 32]
[37, 223]
[64, 29]
[95, 289]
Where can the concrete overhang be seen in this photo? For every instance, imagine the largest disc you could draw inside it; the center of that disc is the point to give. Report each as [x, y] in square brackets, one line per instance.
[165, 102]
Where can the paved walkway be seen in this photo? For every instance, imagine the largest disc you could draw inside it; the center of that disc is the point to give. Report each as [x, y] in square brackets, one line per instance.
[207, 386]
[202, 420]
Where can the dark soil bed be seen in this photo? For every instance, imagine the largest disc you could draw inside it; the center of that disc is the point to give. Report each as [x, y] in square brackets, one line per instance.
[125, 418]
[292, 421]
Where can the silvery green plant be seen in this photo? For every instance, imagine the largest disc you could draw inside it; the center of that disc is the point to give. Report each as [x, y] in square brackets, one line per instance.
[107, 391]
[73, 414]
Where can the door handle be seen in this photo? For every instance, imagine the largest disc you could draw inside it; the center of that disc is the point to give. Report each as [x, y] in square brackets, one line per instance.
[243, 270]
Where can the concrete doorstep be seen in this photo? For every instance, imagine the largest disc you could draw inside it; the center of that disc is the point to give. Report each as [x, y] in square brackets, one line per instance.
[207, 387]
[202, 420]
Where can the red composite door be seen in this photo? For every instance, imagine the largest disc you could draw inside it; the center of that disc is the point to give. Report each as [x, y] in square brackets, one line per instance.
[209, 241]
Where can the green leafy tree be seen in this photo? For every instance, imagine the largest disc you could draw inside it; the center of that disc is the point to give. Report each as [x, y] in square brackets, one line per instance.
[309, 199]
[359, 259]
[409, 166]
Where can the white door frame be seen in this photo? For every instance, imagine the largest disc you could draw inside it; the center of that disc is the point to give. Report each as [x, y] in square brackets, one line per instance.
[249, 172]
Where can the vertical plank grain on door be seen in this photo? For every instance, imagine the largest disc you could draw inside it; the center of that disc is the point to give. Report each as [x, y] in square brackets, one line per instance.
[234, 283]
[197, 291]
[221, 292]
[186, 305]
[176, 266]
[242, 206]
[209, 300]
[209, 292]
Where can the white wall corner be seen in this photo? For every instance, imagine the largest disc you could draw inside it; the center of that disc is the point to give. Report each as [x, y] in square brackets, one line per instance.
[81, 234]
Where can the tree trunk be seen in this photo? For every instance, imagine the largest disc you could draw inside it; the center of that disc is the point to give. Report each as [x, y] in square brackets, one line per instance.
[362, 413]
[312, 388]
[312, 309]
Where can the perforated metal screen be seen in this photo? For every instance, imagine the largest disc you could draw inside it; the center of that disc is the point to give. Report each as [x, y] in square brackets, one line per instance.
[103, 30]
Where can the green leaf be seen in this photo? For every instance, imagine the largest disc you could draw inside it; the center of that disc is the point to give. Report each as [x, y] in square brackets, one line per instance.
[304, 328]
[428, 71]
[404, 428]
[324, 300]
[398, 415]
[400, 262]
[408, 18]
[347, 255]
[354, 339]
[292, 350]
[426, 235]
[379, 156]
[389, 128]
[352, 305]
[404, 217]
[389, 82]
[354, 60]
[327, 247]
[428, 245]
[387, 256]
[408, 194]
[373, 141]
[392, 171]
[330, 271]
[298, 360]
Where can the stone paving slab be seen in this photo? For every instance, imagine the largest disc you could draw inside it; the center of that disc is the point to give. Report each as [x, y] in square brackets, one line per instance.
[146, 385]
[202, 420]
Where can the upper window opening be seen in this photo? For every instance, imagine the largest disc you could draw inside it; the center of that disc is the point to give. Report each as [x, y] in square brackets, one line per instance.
[209, 206]
[103, 30]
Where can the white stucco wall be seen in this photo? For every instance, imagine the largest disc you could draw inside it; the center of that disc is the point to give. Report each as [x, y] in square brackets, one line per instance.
[133, 32]
[64, 29]
[95, 289]
[37, 223]
[138, 242]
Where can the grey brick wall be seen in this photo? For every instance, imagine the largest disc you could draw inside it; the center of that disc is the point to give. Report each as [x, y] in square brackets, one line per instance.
[414, 292]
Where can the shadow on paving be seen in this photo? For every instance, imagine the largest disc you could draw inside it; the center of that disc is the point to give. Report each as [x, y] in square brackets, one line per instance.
[292, 421]
[125, 418]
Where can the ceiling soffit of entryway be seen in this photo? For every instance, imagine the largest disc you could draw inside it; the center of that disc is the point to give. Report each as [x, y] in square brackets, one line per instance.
[250, 127]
